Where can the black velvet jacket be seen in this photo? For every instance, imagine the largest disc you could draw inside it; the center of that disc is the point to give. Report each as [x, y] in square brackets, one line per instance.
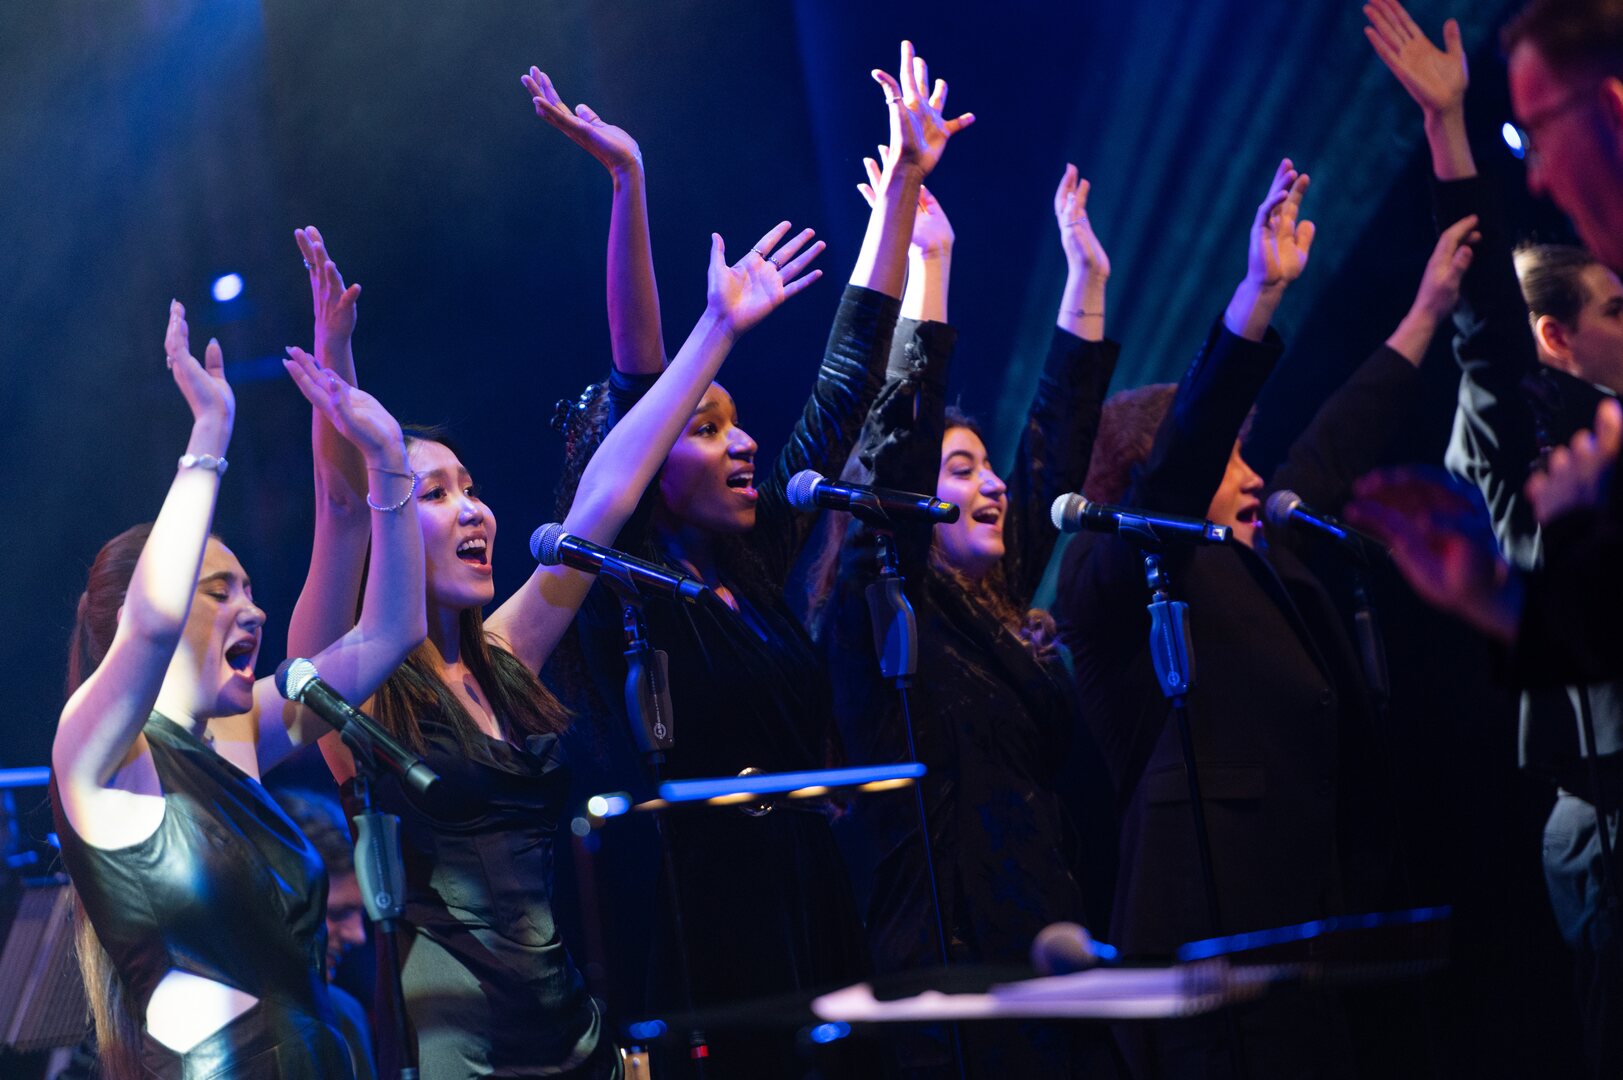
[1280, 716]
[992, 722]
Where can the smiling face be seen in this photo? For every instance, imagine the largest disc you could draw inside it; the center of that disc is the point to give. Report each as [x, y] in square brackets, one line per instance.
[973, 544]
[459, 531]
[1238, 502]
[220, 643]
[1575, 123]
[708, 479]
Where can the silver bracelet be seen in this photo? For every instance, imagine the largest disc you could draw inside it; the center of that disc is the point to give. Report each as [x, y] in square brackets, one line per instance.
[1085, 314]
[204, 461]
[415, 477]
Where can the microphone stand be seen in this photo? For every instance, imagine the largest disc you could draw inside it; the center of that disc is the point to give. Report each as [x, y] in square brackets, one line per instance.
[381, 875]
[648, 707]
[1174, 658]
[895, 636]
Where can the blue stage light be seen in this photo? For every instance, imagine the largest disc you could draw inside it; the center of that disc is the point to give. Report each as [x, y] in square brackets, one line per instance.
[827, 1033]
[227, 287]
[1514, 139]
[644, 1030]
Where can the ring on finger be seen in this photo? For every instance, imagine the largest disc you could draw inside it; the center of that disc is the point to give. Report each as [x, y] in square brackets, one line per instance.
[307, 264]
[776, 265]
[762, 254]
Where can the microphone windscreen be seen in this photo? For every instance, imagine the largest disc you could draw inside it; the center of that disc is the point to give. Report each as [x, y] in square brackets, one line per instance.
[801, 486]
[1067, 507]
[1280, 506]
[293, 675]
[544, 543]
[1061, 948]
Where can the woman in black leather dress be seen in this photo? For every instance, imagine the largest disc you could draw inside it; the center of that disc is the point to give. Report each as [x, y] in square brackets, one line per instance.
[992, 710]
[207, 900]
[489, 986]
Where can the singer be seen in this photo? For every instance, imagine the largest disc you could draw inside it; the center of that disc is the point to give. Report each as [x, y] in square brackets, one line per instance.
[991, 704]
[1282, 723]
[766, 900]
[201, 929]
[489, 987]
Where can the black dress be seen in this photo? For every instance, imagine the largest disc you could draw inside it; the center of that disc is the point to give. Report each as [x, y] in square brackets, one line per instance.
[993, 723]
[228, 889]
[489, 987]
[766, 900]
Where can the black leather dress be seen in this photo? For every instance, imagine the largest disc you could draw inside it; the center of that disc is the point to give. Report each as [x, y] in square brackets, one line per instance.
[228, 889]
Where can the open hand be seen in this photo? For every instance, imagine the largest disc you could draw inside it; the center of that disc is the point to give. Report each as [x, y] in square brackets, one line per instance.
[1279, 242]
[1439, 535]
[1435, 78]
[752, 288]
[611, 146]
[1576, 476]
[918, 130]
[1082, 247]
[1451, 257]
[203, 385]
[356, 415]
[932, 232]
[334, 302]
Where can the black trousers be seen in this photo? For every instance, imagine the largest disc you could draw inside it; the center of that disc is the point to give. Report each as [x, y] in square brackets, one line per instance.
[1578, 895]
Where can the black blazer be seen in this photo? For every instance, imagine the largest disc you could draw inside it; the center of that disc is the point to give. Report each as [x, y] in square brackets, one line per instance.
[1279, 711]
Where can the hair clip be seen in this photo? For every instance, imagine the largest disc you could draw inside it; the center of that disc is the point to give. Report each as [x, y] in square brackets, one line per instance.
[565, 409]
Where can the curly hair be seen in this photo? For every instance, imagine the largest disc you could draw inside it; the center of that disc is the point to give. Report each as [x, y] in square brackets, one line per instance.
[1127, 427]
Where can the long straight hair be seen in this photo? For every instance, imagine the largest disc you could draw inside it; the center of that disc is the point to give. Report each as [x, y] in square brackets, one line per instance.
[118, 1028]
[516, 693]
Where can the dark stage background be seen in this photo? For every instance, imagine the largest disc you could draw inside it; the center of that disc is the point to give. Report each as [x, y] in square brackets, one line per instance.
[148, 147]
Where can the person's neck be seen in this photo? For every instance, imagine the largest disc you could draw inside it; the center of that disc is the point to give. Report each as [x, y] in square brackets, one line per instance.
[690, 545]
[445, 634]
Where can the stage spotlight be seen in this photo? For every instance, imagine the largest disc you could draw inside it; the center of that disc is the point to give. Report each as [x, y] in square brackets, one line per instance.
[227, 287]
[827, 1033]
[1514, 139]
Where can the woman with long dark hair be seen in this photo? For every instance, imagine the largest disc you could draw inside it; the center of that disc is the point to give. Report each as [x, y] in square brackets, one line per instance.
[488, 985]
[991, 705]
[203, 951]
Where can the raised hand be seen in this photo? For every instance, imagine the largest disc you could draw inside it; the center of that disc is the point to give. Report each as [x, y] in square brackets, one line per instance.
[1577, 476]
[918, 129]
[1435, 78]
[751, 289]
[1082, 247]
[356, 415]
[333, 302]
[1440, 537]
[1279, 242]
[932, 232]
[1450, 258]
[213, 405]
[610, 145]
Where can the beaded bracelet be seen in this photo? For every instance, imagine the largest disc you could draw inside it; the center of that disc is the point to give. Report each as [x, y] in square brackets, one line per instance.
[208, 462]
[415, 477]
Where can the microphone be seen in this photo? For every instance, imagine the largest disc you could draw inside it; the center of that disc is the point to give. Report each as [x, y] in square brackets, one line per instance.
[1063, 948]
[550, 546]
[298, 681]
[811, 490]
[1076, 513]
[1285, 508]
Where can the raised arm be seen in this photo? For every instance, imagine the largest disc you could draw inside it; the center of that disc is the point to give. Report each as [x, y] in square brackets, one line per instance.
[105, 803]
[635, 336]
[1192, 447]
[325, 609]
[740, 296]
[1435, 78]
[929, 255]
[393, 618]
[1357, 423]
[1087, 267]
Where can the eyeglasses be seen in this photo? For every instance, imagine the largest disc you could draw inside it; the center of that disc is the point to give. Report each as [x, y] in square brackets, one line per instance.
[1545, 117]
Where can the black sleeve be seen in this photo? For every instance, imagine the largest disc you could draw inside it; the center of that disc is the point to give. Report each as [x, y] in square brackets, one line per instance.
[1192, 447]
[1052, 458]
[1349, 433]
[1495, 439]
[1568, 631]
[847, 384]
[900, 445]
[625, 390]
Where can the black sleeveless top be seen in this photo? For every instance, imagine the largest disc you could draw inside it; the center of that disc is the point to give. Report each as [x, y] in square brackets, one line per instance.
[489, 986]
[228, 889]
